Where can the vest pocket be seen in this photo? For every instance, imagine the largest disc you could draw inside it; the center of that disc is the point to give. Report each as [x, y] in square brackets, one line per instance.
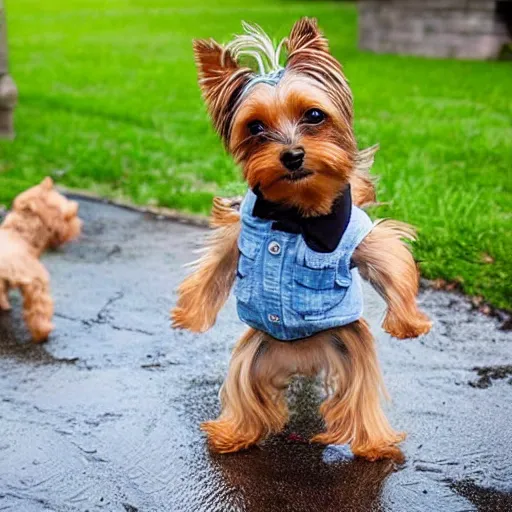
[243, 284]
[248, 251]
[316, 291]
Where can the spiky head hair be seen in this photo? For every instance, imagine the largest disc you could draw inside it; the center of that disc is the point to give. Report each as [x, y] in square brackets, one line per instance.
[225, 78]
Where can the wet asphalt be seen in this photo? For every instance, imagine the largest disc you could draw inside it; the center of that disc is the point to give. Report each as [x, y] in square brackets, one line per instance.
[105, 415]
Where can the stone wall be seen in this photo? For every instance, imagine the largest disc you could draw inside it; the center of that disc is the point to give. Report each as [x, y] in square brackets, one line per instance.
[465, 29]
[8, 92]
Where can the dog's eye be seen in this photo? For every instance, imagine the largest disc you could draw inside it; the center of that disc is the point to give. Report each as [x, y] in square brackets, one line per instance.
[314, 116]
[256, 127]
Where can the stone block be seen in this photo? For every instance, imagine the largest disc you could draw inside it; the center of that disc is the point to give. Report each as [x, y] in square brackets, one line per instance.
[441, 28]
[482, 5]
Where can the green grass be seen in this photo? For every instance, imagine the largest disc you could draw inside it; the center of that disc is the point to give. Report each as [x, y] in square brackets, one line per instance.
[109, 103]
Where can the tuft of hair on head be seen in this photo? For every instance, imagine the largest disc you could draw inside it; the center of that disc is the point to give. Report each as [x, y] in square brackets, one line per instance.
[257, 44]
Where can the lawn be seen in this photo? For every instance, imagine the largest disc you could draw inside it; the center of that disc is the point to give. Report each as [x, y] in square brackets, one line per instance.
[109, 103]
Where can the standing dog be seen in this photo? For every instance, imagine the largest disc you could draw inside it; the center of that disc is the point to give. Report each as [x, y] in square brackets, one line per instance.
[298, 246]
[40, 218]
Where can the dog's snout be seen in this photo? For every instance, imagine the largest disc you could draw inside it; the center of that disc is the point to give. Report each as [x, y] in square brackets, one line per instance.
[293, 158]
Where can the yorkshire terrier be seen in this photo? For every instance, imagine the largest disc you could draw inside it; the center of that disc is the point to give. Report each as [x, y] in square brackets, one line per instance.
[40, 218]
[298, 246]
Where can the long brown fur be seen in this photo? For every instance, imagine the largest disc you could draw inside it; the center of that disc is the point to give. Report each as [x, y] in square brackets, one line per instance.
[204, 292]
[252, 397]
[40, 218]
[384, 259]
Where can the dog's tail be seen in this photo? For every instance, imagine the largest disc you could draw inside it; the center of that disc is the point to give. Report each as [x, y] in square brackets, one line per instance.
[362, 183]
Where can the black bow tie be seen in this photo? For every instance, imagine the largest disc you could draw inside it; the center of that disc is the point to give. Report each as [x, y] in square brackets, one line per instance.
[322, 233]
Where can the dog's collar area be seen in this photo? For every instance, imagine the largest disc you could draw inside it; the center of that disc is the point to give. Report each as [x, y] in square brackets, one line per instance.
[321, 234]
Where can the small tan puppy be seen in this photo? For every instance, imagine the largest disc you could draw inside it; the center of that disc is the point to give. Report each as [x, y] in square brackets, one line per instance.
[40, 218]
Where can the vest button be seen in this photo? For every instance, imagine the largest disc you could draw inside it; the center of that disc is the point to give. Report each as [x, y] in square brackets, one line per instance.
[274, 248]
[273, 318]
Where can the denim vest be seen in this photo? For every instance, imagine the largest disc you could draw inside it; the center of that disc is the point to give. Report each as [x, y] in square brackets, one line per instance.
[289, 291]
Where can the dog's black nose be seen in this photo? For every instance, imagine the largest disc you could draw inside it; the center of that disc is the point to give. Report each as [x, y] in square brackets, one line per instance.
[293, 159]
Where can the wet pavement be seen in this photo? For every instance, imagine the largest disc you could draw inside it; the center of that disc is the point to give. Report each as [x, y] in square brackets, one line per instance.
[105, 415]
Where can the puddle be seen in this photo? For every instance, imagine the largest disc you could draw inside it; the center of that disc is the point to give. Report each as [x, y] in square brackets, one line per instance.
[485, 500]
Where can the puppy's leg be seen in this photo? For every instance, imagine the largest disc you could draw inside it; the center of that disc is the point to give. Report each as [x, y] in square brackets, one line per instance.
[4, 300]
[203, 293]
[38, 308]
[252, 396]
[353, 412]
[385, 260]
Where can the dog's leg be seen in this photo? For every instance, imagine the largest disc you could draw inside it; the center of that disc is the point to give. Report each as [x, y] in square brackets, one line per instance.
[4, 300]
[38, 308]
[203, 293]
[385, 260]
[252, 396]
[353, 412]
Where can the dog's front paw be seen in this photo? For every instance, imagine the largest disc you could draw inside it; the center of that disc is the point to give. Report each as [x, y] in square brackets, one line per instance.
[404, 328]
[181, 319]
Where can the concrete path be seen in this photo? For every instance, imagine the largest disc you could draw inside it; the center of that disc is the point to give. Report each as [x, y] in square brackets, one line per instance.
[105, 415]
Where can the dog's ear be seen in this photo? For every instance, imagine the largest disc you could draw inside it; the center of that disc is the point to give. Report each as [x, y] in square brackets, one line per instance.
[27, 201]
[214, 63]
[308, 54]
[221, 80]
[308, 48]
[47, 184]
[306, 39]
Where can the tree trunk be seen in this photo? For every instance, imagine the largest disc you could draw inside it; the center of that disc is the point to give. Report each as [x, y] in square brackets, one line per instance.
[8, 91]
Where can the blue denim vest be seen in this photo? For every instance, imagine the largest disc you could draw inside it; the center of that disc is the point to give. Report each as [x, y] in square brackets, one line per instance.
[289, 291]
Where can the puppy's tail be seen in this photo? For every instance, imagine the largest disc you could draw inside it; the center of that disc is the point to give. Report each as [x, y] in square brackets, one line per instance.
[362, 183]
